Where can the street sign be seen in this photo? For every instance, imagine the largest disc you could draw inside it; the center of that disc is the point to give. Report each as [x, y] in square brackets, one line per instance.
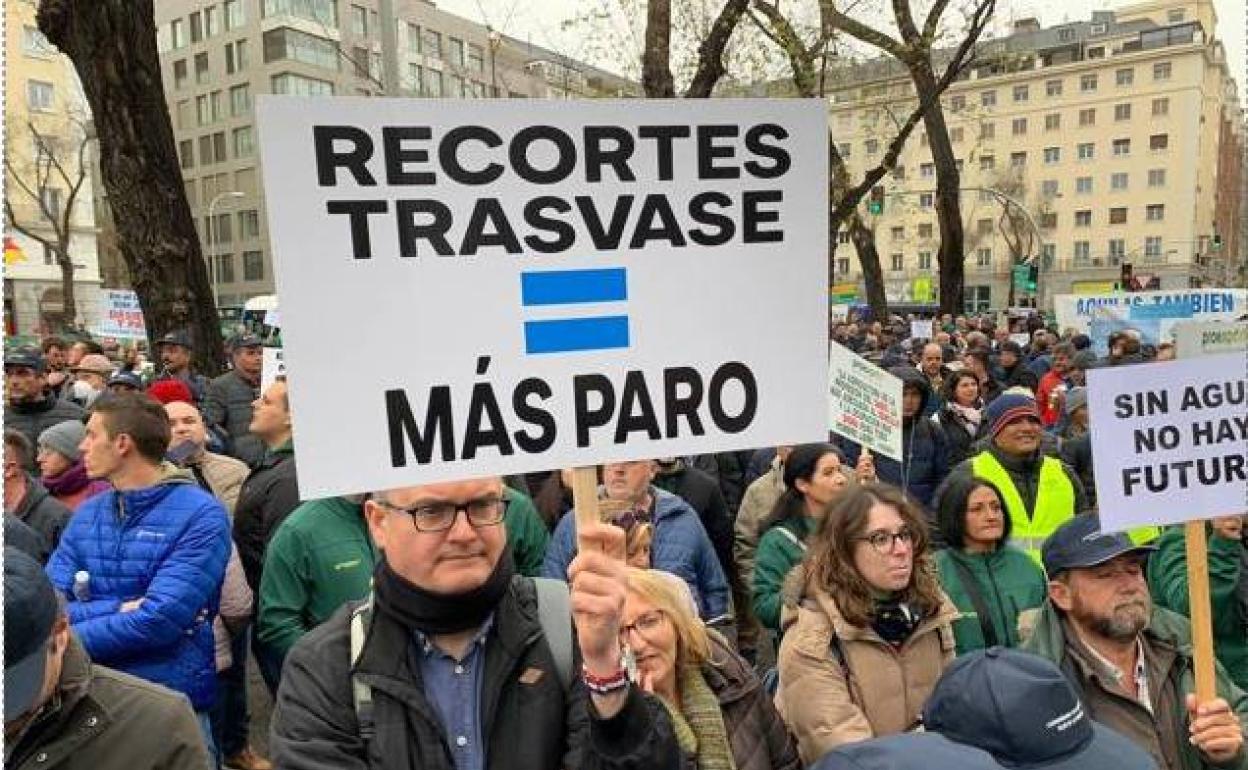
[573, 282]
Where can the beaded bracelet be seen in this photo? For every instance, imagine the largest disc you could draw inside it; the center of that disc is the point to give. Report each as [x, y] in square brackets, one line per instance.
[604, 685]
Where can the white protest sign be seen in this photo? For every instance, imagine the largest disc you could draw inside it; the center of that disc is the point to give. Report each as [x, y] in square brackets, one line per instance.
[274, 366]
[864, 402]
[575, 282]
[1168, 440]
[921, 330]
[121, 316]
[1077, 311]
[1022, 339]
[1194, 339]
[273, 318]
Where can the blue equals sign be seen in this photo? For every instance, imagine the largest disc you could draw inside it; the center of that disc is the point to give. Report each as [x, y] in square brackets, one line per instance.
[574, 287]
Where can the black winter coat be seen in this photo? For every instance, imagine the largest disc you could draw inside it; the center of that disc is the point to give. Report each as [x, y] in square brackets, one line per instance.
[43, 513]
[528, 722]
[268, 496]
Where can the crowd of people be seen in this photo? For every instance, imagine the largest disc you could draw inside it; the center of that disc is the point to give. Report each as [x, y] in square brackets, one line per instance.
[809, 606]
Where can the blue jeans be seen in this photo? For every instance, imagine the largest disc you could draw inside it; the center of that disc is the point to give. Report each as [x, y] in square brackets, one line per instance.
[231, 718]
[205, 727]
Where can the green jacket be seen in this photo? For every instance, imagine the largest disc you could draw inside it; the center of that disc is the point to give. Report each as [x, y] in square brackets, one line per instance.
[1167, 580]
[526, 533]
[320, 558]
[1009, 582]
[780, 549]
[1048, 641]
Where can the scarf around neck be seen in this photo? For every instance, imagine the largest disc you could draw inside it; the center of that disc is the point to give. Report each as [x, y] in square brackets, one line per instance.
[968, 416]
[894, 621]
[431, 613]
[699, 723]
[69, 481]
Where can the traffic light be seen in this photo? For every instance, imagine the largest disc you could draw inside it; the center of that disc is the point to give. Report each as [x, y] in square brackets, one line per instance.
[876, 205]
[1033, 274]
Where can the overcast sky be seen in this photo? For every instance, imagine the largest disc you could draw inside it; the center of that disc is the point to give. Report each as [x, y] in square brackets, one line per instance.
[540, 21]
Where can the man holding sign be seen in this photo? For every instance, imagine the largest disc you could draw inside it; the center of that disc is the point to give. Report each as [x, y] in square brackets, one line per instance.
[454, 662]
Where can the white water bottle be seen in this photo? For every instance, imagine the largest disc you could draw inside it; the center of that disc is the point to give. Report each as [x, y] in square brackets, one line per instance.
[82, 585]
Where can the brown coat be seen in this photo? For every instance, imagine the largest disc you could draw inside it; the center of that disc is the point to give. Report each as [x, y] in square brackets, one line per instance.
[759, 738]
[226, 476]
[886, 687]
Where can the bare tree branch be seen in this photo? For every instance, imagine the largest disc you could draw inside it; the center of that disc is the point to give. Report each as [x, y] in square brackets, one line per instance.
[711, 52]
[833, 19]
[656, 61]
[932, 24]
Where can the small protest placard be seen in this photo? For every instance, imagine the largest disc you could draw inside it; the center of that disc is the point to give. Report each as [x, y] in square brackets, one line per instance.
[921, 330]
[1168, 440]
[864, 402]
[1193, 339]
[274, 366]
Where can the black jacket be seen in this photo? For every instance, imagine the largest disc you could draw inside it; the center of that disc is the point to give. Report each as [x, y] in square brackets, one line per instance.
[1077, 453]
[19, 535]
[43, 513]
[268, 496]
[227, 409]
[1019, 376]
[699, 489]
[958, 441]
[34, 417]
[528, 722]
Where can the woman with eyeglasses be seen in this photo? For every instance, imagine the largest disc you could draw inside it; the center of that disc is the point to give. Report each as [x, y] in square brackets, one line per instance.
[873, 630]
[813, 477]
[988, 580]
[722, 715]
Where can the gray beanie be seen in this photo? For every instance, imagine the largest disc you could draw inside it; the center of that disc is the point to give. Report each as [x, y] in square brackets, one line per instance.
[1076, 398]
[64, 438]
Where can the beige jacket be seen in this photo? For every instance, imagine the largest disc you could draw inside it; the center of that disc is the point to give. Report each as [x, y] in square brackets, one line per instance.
[760, 497]
[226, 476]
[885, 689]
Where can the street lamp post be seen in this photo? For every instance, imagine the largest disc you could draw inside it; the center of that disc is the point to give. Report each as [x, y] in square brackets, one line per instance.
[212, 226]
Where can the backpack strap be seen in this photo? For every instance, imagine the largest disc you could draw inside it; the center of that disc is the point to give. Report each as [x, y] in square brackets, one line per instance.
[977, 601]
[792, 538]
[361, 693]
[554, 611]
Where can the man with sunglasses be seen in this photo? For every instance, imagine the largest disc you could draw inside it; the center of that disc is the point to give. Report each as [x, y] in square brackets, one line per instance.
[452, 667]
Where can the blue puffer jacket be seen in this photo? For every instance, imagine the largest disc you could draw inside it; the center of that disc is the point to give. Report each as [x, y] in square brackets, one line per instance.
[680, 546]
[168, 545]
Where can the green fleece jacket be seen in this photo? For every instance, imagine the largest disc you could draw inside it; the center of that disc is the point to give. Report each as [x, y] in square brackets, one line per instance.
[780, 549]
[1167, 580]
[320, 558]
[1009, 582]
[526, 533]
[1048, 640]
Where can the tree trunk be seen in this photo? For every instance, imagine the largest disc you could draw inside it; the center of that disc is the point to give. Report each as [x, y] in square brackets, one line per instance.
[66, 262]
[949, 257]
[656, 60]
[872, 273]
[112, 44]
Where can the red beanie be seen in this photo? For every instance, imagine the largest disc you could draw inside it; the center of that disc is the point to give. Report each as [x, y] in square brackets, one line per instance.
[168, 391]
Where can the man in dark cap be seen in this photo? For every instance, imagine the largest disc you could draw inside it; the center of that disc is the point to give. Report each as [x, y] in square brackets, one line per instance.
[1131, 661]
[175, 356]
[62, 712]
[227, 407]
[32, 408]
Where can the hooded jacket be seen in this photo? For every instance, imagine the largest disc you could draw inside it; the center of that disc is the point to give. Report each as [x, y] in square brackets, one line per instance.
[268, 496]
[42, 512]
[680, 547]
[107, 720]
[166, 544]
[32, 418]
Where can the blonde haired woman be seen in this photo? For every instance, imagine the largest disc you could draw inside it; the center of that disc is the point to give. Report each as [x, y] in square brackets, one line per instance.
[723, 718]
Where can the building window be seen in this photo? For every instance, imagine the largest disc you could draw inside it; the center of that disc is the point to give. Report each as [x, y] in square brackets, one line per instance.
[1082, 252]
[202, 116]
[253, 266]
[976, 299]
[983, 257]
[957, 102]
[359, 57]
[297, 85]
[1018, 159]
[873, 146]
[35, 44]
[222, 232]
[1118, 215]
[844, 149]
[186, 153]
[927, 170]
[455, 51]
[205, 150]
[39, 95]
[235, 56]
[1122, 148]
[286, 43]
[359, 21]
[987, 162]
[926, 200]
[177, 31]
[1122, 111]
[240, 100]
[1053, 88]
[218, 110]
[1152, 247]
[896, 261]
[476, 58]
[1048, 220]
[242, 142]
[1053, 121]
[433, 83]
[1155, 212]
[201, 68]
[1156, 177]
[842, 265]
[248, 224]
[1019, 126]
[218, 146]
[1117, 247]
[925, 260]
[1048, 188]
[235, 15]
[1158, 142]
[1086, 150]
[1083, 218]
[1118, 181]
[1162, 70]
[1161, 107]
[1174, 15]
[1125, 77]
[987, 130]
[1087, 83]
[1083, 185]
[983, 227]
[1021, 93]
[197, 28]
[182, 114]
[925, 231]
[225, 268]
[898, 233]
[212, 22]
[1048, 254]
[899, 173]
[1052, 155]
[1087, 117]
[842, 237]
[956, 135]
[432, 43]
[179, 74]
[987, 98]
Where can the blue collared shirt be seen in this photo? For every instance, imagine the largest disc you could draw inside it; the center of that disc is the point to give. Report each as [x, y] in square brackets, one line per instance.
[454, 688]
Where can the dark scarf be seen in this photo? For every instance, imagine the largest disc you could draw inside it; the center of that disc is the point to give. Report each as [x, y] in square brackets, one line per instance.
[71, 480]
[416, 609]
[894, 621]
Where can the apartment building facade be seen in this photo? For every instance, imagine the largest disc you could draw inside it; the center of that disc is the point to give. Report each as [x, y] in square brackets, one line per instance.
[1119, 140]
[218, 55]
[46, 123]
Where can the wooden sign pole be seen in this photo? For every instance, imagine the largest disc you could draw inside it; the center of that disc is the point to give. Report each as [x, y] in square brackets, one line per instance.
[585, 497]
[1200, 605]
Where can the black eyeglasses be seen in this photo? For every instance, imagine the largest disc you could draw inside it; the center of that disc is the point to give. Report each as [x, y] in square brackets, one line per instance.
[439, 517]
[885, 542]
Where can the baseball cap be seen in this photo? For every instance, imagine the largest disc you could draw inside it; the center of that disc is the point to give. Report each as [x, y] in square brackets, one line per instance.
[1080, 542]
[180, 338]
[908, 751]
[129, 379]
[30, 610]
[239, 341]
[28, 357]
[94, 362]
[1020, 709]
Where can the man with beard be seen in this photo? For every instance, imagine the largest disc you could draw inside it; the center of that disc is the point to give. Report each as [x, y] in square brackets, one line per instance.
[227, 405]
[175, 358]
[1132, 662]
